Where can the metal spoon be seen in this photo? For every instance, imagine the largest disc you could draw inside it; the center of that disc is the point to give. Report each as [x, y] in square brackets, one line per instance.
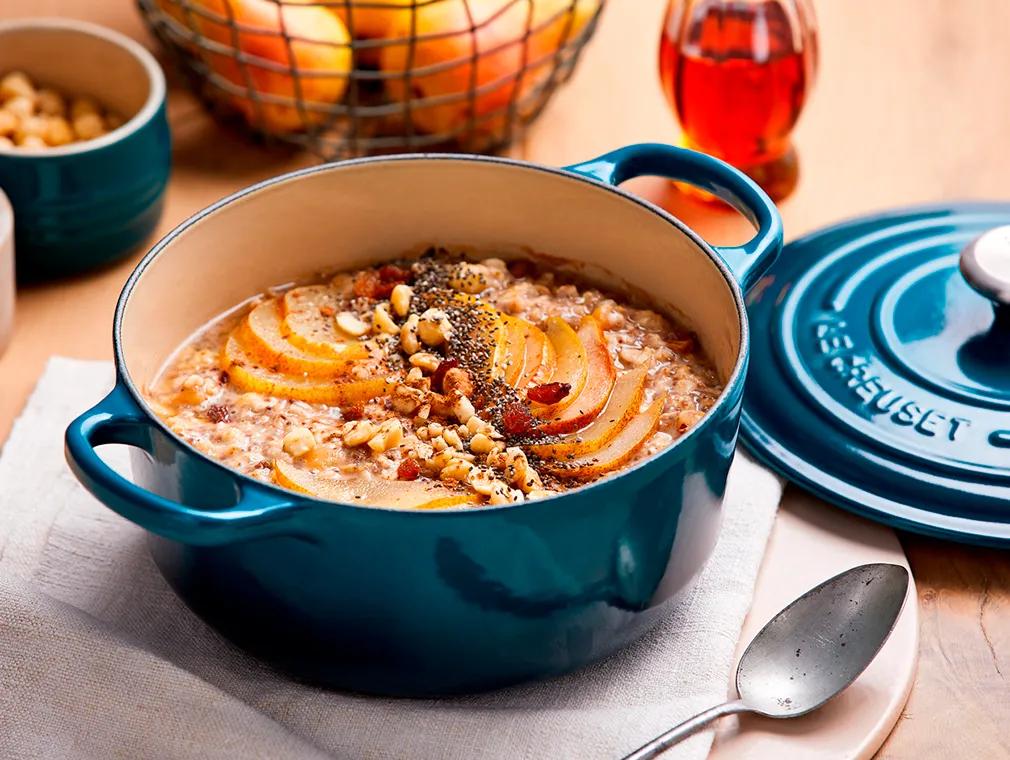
[810, 651]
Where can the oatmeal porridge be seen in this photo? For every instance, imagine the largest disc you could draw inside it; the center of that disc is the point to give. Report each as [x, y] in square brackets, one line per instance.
[436, 382]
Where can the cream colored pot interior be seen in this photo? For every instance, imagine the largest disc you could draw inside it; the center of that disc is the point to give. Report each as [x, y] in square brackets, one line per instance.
[344, 216]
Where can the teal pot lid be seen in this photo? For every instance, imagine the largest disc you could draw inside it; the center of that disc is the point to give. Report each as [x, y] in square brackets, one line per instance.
[880, 368]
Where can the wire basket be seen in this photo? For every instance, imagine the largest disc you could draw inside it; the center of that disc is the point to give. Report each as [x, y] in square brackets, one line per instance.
[346, 78]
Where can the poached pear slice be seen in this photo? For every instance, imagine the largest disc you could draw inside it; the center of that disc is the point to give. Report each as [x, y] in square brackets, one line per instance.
[524, 344]
[572, 366]
[309, 321]
[582, 408]
[624, 403]
[491, 330]
[613, 454]
[248, 374]
[262, 336]
[377, 492]
[516, 336]
[540, 367]
[530, 354]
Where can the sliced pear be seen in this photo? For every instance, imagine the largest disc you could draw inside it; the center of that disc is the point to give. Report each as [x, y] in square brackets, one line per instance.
[548, 364]
[624, 403]
[530, 353]
[581, 409]
[250, 375]
[515, 348]
[619, 450]
[378, 492]
[490, 329]
[308, 321]
[261, 335]
[571, 368]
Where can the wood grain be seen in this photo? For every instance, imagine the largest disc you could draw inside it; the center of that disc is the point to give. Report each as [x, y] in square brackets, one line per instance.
[912, 105]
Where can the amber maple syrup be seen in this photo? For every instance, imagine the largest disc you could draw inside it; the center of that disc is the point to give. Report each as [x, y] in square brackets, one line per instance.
[737, 73]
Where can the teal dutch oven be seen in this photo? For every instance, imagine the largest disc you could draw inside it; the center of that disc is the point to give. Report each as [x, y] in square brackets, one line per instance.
[460, 600]
[89, 203]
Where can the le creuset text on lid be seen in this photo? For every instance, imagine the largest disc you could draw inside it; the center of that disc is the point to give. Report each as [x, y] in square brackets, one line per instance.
[880, 377]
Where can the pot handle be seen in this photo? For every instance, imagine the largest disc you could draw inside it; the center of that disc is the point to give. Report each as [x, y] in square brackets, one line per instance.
[747, 262]
[256, 512]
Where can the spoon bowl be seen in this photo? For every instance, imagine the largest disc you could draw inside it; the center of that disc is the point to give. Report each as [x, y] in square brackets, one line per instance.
[809, 652]
[819, 644]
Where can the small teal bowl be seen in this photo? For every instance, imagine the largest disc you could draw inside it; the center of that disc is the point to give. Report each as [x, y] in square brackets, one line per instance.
[86, 204]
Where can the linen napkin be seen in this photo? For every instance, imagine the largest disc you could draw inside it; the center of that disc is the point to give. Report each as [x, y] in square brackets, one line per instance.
[99, 659]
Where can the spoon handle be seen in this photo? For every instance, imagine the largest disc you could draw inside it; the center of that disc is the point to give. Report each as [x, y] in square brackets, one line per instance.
[685, 729]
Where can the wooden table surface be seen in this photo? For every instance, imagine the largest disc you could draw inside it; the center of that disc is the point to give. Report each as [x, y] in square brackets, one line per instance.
[912, 104]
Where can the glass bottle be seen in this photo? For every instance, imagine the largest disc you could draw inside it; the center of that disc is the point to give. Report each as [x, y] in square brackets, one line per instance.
[737, 74]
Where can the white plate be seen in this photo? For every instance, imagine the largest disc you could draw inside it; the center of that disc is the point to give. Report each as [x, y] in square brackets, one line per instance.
[811, 542]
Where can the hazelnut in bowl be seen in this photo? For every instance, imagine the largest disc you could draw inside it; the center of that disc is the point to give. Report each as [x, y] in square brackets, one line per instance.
[85, 150]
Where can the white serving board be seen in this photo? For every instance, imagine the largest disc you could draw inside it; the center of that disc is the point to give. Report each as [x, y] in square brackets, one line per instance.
[810, 542]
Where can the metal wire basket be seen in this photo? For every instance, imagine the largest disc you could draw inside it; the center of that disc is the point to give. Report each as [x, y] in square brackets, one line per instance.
[346, 78]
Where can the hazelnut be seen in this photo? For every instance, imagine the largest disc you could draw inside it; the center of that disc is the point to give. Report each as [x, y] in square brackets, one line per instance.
[299, 442]
[457, 380]
[58, 131]
[88, 126]
[349, 324]
[8, 122]
[425, 361]
[358, 432]
[456, 469]
[20, 106]
[481, 444]
[434, 327]
[382, 322]
[408, 335]
[16, 84]
[32, 141]
[83, 106]
[50, 103]
[389, 436]
[399, 299]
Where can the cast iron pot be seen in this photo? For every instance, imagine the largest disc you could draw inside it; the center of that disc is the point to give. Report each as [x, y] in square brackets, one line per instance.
[428, 603]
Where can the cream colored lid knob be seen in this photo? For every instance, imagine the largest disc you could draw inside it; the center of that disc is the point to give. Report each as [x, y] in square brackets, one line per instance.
[985, 264]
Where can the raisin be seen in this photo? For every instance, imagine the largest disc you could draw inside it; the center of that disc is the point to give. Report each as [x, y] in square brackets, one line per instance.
[516, 419]
[394, 274]
[438, 377]
[224, 378]
[548, 393]
[409, 469]
[368, 285]
[355, 412]
[218, 413]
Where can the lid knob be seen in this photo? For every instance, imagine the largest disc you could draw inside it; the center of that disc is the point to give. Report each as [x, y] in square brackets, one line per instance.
[985, 264]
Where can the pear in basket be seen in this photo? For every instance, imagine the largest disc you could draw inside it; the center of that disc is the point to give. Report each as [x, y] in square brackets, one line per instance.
[497, 29]
[320, 50]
